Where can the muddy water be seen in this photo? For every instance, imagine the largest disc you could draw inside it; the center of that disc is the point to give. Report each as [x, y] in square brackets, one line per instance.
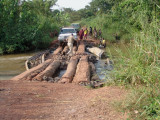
[12, 65]
[104, 70]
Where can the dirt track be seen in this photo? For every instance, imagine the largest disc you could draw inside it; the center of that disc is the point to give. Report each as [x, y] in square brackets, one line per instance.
[52, 101]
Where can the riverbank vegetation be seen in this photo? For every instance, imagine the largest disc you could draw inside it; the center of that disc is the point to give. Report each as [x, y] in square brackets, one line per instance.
[28, 25]
[136, 23]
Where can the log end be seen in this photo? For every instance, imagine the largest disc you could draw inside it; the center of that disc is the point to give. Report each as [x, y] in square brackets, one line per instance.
[65, 80]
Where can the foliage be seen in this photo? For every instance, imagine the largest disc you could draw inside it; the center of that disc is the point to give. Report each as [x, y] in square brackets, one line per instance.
[27, 25]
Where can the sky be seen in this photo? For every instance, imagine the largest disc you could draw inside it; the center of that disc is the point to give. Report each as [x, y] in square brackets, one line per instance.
[74, 4]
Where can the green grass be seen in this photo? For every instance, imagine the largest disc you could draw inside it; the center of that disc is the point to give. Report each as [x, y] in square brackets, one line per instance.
[138, 68]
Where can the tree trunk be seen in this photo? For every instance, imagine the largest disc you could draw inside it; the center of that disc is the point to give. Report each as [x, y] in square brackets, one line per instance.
[34, 70]
[49, 71]
[81, 49]
[83, 71]
[58, 50]
[70, 72]
[65, 50]
[74, 50]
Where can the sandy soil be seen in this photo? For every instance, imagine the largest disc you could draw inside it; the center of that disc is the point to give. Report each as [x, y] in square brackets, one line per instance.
[49, 101]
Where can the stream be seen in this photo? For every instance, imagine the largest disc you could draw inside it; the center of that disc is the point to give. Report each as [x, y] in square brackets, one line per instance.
[12, 65]
[104, 70]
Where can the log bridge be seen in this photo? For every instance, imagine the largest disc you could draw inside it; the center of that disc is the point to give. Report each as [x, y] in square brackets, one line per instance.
[47, 65]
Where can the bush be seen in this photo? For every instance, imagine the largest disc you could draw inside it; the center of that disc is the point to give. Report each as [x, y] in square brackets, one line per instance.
[1, 51]
[27, 26]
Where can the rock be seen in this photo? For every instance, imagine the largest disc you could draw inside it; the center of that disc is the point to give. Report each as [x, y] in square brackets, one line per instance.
[56, 79]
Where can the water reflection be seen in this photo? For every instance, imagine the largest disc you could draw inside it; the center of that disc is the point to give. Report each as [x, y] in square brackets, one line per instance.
[102, 69]
[12, 65]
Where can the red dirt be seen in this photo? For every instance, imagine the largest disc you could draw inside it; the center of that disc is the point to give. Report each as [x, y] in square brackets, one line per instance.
[22, 100]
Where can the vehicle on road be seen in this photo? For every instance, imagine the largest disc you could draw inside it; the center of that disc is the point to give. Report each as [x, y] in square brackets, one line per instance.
[65, 32]
[76, 26]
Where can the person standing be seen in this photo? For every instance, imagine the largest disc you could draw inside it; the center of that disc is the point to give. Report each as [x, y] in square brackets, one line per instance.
[95, 33]
[104, 43]
[90, 31]
[81, 34]
[85, 34]
[100, 33]
[70, 41]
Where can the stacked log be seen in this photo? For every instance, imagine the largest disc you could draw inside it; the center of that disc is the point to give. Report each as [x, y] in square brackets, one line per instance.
[70, 72]
[32, 72]
[65, 50]
[49, 71]
[80, 68]
[81, 49]
[41, 68]
[83, 71]
[58, 50]
[74, 50]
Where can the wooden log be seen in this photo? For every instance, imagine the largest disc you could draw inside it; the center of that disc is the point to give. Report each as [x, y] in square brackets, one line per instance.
[71, 70]
[35, 73]
[26, 65]
[43, 58]
[33, 70]
[74, 49]
[58, 50]
[49, 71]
[81, 49]
[65, 50]
[83, 71]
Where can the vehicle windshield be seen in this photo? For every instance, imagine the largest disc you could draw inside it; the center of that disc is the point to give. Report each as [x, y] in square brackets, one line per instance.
[76, 26]
[64, 31]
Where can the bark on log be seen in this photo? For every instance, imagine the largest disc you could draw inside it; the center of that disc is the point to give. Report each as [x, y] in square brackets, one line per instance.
[65, 50]
[49, 71]
[81, 49]
[74, 50]
[25, 74]
[58, 50]
[70, 72]
[83, 71]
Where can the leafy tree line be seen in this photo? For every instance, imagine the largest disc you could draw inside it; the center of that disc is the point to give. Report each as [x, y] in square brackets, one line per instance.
[26, 25]
[135, 22]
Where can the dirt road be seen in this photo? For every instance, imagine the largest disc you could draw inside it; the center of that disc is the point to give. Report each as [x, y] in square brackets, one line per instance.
[52, 101]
